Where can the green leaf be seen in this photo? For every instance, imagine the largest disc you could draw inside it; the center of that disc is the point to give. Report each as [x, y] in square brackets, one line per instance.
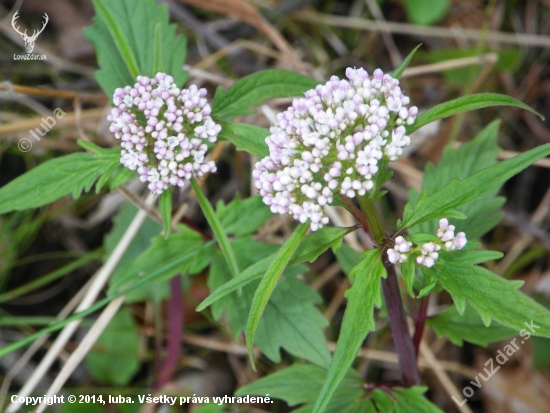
[348, 258]
[426, 12]
[493, 297]
[412, 401]
[464, 104]
[468, 327]
[141, 241]
[300, 384]
[267, 285]
[312, 246]
[256, 88]
[243, 217]
[236, 304]
[114, 358]
[290, 319]
[158, 57]
[129, 37]
[160, 253]
[458, 193]
[408, 273]
[384, 403]
[55, 179]
[363, 406]
[358, 320]
[246, 137]
[460, 163]
[165, 205]
[216, 226]
[399, 71]
[118, 37]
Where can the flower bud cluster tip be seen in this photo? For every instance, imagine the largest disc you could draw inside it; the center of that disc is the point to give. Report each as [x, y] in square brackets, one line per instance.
[163, 131]
[331, 142]
[427, 253]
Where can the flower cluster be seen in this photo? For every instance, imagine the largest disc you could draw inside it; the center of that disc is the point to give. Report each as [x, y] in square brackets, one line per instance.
[331, 142]
[163, 130]
[427, 254]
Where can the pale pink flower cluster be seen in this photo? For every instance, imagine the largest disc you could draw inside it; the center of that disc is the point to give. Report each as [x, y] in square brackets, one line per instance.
[163, 131]
[331, 141]
[427, 254]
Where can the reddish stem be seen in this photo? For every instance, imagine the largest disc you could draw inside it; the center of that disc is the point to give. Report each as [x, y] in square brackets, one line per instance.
[175, 332]
[399, 327]
[356, 212]
[420, 322]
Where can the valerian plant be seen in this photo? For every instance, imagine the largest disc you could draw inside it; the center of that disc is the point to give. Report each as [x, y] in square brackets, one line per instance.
[331, 147]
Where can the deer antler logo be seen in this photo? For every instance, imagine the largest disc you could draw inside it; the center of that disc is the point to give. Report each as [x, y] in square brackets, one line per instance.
[29, 40]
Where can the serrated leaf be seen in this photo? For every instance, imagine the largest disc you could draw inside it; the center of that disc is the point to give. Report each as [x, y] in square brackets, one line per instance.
[468, 327]
[243, 217]
[268, 282]
[312, 246]
[412, 401]
[245, 137]
[399, 71]
[300, 384]
[464, 104]
[492, 297]
[163, 252]
[114, 358]
[236, 304]
[125, 31]
[458, 193]
[256, 88]
[462, 162]
[56, 178]
[290, 319]
[363, 296]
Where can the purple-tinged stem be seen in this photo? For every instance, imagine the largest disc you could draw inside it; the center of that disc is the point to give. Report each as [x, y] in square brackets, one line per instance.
[420, 322]
[399, 327]
[175, 332]
[356, 212]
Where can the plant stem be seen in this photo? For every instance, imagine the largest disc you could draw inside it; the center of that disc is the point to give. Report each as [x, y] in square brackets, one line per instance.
[375, 225]
[420, 322]
[356, 213]
[400, 330]
[175, 328]
[398, 321]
